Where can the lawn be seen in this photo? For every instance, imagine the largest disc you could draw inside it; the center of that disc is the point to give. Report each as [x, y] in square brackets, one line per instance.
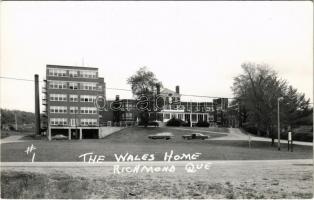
[135, 141]
[256, 179]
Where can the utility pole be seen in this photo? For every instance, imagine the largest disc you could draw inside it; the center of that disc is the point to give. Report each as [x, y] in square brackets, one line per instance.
[37, 110]
[278, 119]
[15, 121]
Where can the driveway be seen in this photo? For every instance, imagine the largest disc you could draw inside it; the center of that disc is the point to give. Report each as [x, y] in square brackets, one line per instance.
[238, 134]
[12, 139]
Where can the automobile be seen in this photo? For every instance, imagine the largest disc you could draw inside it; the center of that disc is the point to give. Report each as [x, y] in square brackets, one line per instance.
[59, 137]
[195, 136]
[164, 135]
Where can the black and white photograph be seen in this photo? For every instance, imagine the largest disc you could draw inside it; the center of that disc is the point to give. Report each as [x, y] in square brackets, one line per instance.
[156, 99]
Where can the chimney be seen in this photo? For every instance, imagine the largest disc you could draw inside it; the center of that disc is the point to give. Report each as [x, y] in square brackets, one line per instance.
[177, 89]
[158, 88]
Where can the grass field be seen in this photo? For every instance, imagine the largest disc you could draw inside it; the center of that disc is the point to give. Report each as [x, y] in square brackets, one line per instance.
[238, 179]
[136, 141]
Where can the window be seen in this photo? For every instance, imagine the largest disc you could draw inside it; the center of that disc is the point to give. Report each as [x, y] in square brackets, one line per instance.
[74, 122]
[58, 121]
[180, 116]
[88, 74]
[87, 98]
[58, 109]
[73, 98]
[58, 97]
[209, 109]
[57, 85]
[73, 73]
[88, 86]
[167, 116]
[89, 122]
[88, 110]
[73, 109]
[73, 86]
[57, 72]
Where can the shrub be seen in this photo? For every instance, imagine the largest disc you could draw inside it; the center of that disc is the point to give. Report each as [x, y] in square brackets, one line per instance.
[150, 123]
[175, 122]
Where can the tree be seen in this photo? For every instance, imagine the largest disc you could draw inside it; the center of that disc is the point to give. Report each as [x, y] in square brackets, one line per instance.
[144, 83]
[258, 89]
[295, 108]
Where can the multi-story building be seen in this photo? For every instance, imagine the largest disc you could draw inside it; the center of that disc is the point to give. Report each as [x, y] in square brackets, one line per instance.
[120, 112]
[169, 106]
[70, 97]
[192, 112]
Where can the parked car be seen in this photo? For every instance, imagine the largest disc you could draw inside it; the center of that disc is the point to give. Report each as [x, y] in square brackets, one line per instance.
[195, 136]
[165, 135]
[59, 137]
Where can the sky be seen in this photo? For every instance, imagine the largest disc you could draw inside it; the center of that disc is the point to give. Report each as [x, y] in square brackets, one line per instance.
[199, 46]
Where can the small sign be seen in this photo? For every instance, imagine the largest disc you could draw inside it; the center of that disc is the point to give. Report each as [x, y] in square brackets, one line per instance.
[289, 136]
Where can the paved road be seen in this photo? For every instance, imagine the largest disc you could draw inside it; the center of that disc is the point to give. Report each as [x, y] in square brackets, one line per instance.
[237, 134]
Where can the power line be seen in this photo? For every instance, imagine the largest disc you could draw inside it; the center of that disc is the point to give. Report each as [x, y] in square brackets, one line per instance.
[17, 79]
[128, 90]
[120, 89]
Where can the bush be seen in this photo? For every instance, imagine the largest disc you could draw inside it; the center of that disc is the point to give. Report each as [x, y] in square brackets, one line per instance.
[175, 122]
[202, 124]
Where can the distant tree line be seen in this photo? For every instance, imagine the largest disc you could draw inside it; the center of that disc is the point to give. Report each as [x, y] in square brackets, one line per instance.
[25, 120]
[8, 117]
[257, 91]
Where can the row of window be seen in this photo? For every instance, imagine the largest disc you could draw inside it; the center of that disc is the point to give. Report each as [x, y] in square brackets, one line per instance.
[73, 110]
[72, 73]
[58, 97]
[195, 117]
[188, 108]
[73, 122]
[72, 97]
[74, 85]
[86, 122]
